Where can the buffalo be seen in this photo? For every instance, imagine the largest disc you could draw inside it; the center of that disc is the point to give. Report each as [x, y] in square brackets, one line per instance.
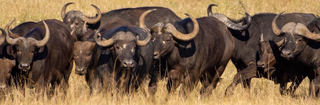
[302, 46]
[42, 53]
[202, 54]
[246, 52]
[280, 69]
[131, 52]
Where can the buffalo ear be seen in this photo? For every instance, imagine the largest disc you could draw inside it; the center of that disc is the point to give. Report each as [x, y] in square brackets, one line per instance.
[9, 50]
[40, 49]
[92, 45]
[12, 63]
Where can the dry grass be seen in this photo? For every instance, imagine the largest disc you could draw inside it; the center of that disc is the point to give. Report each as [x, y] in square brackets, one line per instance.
[262, 92]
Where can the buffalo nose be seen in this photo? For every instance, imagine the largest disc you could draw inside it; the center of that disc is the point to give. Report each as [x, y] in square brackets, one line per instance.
[156, 55]
[286, 53]
[261, 64]
[80, 70]
[24, 65]
[128, 63]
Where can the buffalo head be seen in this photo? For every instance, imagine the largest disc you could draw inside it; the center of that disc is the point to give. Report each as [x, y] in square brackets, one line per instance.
[125, 42]
[165, 37]
[269, 53]
[77, 21]
[25, 47]
[295, 34]
[82, 56]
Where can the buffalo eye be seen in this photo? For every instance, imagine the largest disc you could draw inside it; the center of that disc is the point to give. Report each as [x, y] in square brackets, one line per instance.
[133, 48]
[117, 47]
[18, 51]
[89, 54]
[76, 57]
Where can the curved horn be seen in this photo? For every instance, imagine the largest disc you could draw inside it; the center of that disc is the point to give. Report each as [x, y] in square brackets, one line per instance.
[281, 42]
[2, 37]
[145, 41]
[94, 20]
[46, 38]
[105, 43]
[141, 19]
[144, 27]
[275, 28]
[184, 37]
[209, 9]
[9, 40]
[63, 10]
[227, 21]
[304, 31]
[261, 38]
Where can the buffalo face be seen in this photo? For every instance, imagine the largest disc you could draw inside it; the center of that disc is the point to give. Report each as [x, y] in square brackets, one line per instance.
[126, 52]
[295, 37]
[24, 48]
[124, 44]
[165, 37]
[269, 53]
[82, 56]
[77, 25]
[77, 21]
[162, 41]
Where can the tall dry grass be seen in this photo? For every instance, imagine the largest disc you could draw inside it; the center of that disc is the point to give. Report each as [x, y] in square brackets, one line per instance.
[262, 92]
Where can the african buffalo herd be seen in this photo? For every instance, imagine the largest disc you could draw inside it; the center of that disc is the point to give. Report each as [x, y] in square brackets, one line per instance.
[123, 48]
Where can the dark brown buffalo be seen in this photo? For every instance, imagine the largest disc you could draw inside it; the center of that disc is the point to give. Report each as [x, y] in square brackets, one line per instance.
[131, 52]
[166, 42]
[80, 23]
[42, 54]
[200, 55]
[280, 69]
[246, 53]
[302, 46]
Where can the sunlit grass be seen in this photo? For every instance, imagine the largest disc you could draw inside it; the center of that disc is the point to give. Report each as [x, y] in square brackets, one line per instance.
[262, 92]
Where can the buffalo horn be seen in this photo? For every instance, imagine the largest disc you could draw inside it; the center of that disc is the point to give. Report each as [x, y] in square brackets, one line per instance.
[184, 37]
[275, 28]
[46, 38]
[261, 38]
[141, 19]
[227, 21]
[63, 10]
[93, 20]
[3, 35]
[105, 43]
[143, 26]
[304, 31]
[281, 42]
[9, 40]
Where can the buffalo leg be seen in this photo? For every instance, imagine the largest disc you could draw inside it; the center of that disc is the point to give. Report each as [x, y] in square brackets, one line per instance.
[188, 85]
[152, 87]
[295, 84]
[283, 87]
[242, 75]
[314, 86]
[174, 80]
[206, 80]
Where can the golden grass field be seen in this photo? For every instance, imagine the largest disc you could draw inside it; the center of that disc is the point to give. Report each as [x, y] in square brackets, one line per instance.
[262, 92]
